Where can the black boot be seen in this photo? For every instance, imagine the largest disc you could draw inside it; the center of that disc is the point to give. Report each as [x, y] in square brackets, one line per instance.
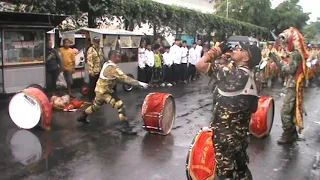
[83, 118]
[126, 128]
[288, 136]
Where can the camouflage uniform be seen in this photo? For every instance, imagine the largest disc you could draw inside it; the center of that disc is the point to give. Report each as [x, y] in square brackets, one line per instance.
[289, 102]
[109, 76]
[95, 61]
[231, 122]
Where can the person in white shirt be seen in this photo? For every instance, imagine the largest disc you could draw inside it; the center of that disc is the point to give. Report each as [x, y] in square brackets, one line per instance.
[192, 62]
[149, 63]
[167, 67]
[199, 52]
[175, 54]
[142, 62]
[184, 61]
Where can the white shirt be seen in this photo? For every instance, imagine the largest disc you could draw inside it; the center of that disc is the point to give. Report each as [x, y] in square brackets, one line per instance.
[167, 60]
[175, 54]
[198, 52]
[192, 56]
[142, 58]
[184, 55]
[149, 58]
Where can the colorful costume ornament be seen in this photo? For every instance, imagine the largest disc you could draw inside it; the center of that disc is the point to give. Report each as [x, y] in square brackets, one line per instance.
[292, 109]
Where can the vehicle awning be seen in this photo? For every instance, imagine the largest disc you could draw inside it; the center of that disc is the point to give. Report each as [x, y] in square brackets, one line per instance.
[30, 19]
[120, 32]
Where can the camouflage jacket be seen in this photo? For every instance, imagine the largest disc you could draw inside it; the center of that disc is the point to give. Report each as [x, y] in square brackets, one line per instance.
[230, 81]
[109, 76]
[289, 68]
[95, 60]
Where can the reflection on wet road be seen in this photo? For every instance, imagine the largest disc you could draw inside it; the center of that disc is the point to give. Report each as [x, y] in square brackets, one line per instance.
[99, 152]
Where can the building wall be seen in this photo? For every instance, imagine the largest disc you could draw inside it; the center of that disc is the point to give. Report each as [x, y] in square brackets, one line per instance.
[205, 6]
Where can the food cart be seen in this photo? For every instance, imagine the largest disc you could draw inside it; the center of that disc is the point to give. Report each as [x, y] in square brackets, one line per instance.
[22, 44]
[126, 42]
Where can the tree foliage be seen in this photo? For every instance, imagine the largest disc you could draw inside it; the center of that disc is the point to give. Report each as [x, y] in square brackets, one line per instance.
[259, 12]
[135, 12]
[287, 14]
[252, 11]
[312, 31]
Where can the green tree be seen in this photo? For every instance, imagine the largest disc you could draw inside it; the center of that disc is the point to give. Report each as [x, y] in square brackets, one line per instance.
[288, 14]
[256, 12]
[312, 31]
[95, 8]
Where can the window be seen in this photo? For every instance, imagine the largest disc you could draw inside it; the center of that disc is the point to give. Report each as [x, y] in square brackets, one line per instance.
[23, 47]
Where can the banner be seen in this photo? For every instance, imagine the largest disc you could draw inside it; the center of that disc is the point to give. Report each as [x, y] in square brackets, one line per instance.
[135, 41]
[68, 35]
[111, 41]
[125, 42]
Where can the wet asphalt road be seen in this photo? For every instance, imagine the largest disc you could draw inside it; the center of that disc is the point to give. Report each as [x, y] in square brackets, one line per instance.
[99, 152]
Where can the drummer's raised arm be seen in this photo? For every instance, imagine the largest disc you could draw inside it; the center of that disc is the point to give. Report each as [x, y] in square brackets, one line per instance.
[204, 63]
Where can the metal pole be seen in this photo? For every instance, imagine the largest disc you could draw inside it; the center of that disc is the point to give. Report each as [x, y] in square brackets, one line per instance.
[227, 8]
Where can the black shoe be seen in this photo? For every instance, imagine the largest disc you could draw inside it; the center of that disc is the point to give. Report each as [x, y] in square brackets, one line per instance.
[83, 119]
[126, 128]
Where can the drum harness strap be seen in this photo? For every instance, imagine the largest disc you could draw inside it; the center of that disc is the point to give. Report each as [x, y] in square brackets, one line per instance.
[105, 65]
[249, 89]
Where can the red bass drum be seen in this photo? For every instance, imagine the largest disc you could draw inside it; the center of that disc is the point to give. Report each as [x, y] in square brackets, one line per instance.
[31, 107]
[201, 163]
[262, 120]
[158, 113]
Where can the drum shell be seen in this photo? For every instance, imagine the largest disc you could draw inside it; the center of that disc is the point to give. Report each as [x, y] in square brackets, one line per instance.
[46, 106]
[152, 112]
[201, 158]
[259, 120]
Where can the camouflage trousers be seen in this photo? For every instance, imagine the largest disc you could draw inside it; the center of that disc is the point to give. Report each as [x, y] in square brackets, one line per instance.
[108, 98]
[231, 139]
[288, 109]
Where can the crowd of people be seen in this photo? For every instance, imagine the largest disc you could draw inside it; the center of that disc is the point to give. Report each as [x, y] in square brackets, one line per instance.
[167, 66]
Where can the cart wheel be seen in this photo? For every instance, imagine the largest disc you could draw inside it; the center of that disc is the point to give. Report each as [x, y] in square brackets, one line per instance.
[127, 87]
[84, 89]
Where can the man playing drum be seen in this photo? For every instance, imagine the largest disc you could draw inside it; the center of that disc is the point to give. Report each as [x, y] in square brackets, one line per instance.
[237, 99]
[109, 76]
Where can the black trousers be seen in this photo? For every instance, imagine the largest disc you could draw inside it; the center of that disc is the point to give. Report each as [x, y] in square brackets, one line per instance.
[142, 74]
[184, 72]
[52, 77]
[192, 71]
[156, 75]
[148, 74]
[177, 72]
[167, 74]
[92, 85]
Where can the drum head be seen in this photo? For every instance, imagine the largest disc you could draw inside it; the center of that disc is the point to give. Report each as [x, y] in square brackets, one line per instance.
[263, 64]
[270, 117]
[26, 147]
[169, 115]
[24, 111]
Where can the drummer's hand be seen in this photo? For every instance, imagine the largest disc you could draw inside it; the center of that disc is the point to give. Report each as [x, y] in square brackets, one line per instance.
[143, 85]
[206, 129]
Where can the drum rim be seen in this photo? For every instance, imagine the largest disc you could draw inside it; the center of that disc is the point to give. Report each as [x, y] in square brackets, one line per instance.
[271, 102]
[35, 99]
[174, 114]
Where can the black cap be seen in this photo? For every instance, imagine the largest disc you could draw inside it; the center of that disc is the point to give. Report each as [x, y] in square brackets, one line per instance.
[254, 53]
